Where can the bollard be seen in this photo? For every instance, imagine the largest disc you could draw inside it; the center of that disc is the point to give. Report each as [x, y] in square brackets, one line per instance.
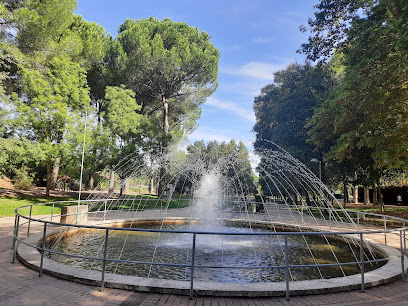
[42, 249]
[15, 237]
[192, 266]
[287, 268]
[105, 250]
[362, 262]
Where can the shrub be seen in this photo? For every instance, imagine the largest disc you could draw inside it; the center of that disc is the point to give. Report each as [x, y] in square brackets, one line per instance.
[23, 179]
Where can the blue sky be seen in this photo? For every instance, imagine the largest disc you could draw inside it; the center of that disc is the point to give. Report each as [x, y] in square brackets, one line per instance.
[254, 37]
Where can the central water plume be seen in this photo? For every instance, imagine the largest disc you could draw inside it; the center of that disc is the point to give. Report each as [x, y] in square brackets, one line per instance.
[207, 201]
[221, 197]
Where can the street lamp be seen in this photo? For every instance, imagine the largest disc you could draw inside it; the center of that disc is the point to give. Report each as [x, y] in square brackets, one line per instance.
[316, 160]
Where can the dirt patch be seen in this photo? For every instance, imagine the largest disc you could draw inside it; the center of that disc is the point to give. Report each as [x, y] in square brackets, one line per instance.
[5, 182]
[41, 193]
[393, 214]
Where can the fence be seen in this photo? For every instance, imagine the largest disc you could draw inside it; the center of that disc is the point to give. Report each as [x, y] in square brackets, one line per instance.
[390, 225]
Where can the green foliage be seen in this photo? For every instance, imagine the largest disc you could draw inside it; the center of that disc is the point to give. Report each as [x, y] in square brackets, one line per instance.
[370, 104]
[122, 111]
[283, 108]
[90, 41]
[232, 158]
[45, 71]
[170, 62]
[23, 179]
[55, 66]
[16, 154]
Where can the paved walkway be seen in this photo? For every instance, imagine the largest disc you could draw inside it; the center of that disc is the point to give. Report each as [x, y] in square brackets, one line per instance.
[22, 286]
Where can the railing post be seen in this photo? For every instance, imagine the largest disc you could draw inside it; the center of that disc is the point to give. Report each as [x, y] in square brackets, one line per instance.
[385, 230]
[358, 220]
[42, 249]
[52, 212]
[330, 217]
[362, 262]
[29, 221]
[402, 258]
[405, 242]
[287, 268]
[105, 250]
[16, 226]
[192, 266]
[104, 211]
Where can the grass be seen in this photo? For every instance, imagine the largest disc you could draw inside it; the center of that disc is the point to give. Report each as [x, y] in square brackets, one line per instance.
[392, 209]
[401, 212]
[147, 202]
[9, 204]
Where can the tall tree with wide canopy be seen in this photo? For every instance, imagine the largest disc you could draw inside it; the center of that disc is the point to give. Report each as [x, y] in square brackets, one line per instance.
[283, 108]
[171, 66]
[372, 36]
[49, 50]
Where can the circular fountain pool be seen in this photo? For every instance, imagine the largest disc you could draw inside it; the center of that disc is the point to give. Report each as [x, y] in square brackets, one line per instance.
[243, 255]
[295, 233]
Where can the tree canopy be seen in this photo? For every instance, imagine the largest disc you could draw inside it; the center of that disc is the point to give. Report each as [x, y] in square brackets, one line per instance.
[137, 91]
[283, 108]
[369, 108]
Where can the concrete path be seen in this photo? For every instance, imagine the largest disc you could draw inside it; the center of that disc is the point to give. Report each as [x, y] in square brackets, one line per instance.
[22, 286]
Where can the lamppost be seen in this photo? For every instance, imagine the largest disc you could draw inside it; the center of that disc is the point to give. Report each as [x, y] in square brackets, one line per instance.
[316, 160]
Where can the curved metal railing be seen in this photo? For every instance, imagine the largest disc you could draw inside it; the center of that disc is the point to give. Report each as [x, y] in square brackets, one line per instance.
[389, 225]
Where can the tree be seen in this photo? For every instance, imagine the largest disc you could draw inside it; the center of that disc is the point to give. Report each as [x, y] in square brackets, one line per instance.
[231, 160]
[170, 66]
[373, 39]
[124, 123]
[48, 51]
[50, 105]
[18, 153]
[283, 108]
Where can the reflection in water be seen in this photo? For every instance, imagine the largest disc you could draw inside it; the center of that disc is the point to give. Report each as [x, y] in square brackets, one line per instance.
[235, 251]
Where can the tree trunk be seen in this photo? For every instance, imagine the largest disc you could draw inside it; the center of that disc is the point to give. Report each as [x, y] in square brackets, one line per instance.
[47, 192]
[151, 185]
[366, 196]
[166, 129]
[375, 199]
[57, 162]
[91, 180]
[345, 194]
[126, 186]
[380, 197]
[307, 199]
[355, 194]
[162, 187]
[54, 174]
[166, 126]
[112, 182]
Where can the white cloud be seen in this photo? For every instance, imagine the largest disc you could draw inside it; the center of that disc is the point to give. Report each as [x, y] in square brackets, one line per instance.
[257, 70]
[245, 113]
[261, 40]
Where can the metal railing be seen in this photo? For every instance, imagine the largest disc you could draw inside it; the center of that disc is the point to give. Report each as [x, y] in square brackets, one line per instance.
[360, 233]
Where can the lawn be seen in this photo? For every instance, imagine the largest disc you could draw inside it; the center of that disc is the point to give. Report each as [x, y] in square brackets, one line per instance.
[395, 211]
[142, 202]
[9, 204]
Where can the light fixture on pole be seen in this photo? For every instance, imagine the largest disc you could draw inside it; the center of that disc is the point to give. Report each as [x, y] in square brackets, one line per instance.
[316, 160]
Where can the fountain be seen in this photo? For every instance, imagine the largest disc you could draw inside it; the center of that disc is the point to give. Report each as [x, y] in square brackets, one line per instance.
[213, 231]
